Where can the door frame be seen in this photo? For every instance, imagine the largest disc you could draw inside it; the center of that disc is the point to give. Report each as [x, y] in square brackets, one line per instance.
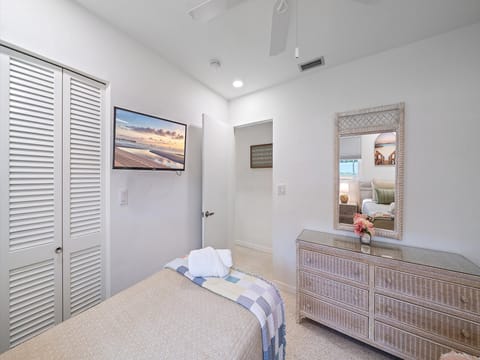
[245, 125]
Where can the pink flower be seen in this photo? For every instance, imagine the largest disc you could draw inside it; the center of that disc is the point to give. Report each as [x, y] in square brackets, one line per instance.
[362, 225]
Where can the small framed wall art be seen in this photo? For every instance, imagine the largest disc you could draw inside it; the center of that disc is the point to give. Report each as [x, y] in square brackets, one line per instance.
[261, 156]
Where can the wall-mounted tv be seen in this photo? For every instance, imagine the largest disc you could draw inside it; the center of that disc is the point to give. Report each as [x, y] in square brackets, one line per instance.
[146, 142]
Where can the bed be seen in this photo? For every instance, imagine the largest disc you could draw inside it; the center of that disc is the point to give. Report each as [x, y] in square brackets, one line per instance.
[382, 215]
[166, 316]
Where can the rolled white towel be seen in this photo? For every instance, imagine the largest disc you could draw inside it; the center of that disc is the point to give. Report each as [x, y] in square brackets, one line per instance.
[392, 208]
[206, 262]
[226, 257]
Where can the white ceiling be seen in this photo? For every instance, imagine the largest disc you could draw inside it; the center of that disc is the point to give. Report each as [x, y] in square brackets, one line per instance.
[339, 30]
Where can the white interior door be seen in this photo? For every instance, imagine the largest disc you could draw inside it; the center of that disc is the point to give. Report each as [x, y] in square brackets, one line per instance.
[30, 197]
[217, 165]
[84, 194]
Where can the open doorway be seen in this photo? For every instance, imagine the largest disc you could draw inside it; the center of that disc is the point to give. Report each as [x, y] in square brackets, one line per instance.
[253, 189]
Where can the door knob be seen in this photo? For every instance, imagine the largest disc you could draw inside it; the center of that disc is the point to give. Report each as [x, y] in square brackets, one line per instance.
[58, 250]
[208, 213]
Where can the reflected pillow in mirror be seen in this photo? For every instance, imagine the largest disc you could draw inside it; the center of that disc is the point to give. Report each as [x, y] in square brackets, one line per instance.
[382, 184]
[385, 196]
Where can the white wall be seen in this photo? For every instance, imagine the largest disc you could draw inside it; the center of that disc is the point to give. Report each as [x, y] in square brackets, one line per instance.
[162, 219]
[438, 79]
[253, 190]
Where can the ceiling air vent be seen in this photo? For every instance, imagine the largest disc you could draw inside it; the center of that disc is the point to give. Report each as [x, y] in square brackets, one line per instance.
[312, 64]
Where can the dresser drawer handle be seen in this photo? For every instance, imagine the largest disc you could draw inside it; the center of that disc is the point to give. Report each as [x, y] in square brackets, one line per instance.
[308, 260]
[308, 306]
[308, 283]
[464, 299]
[389, 310]
[465, 334]
[388, 281]
[355, 298]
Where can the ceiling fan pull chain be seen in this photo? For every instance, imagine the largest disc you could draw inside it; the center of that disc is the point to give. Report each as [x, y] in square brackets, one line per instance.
[297, 49]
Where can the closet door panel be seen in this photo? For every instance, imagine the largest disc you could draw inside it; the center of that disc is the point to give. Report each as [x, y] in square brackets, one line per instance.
[30, 197]
[84, 225]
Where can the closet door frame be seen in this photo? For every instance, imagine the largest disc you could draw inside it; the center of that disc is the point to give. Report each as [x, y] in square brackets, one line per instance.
[4, 180]
[7, 50]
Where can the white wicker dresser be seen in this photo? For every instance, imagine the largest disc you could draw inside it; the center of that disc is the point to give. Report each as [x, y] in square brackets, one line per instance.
[413, 303]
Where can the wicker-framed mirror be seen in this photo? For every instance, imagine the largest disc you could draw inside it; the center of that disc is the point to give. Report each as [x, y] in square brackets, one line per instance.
[369, 168]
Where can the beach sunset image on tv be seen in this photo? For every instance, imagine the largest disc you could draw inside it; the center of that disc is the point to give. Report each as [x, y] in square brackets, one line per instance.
[148, 142]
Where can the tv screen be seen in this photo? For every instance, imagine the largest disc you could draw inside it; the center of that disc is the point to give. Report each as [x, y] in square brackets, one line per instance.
[146, 142]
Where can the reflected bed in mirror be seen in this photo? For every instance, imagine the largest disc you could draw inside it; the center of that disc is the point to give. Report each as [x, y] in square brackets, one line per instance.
[369, 168]
[367, 178]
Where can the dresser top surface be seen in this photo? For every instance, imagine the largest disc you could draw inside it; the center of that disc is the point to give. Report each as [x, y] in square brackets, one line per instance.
[414, 255]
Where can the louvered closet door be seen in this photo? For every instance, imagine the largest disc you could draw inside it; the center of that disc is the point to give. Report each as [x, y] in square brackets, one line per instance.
[84, 200]
[30, 197]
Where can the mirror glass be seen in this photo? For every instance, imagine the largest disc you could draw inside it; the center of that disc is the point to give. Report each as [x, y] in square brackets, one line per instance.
[369, 168]
[367, 175]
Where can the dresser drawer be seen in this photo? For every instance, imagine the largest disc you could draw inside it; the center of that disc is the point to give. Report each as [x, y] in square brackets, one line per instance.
[334, 265]
[440, 292]
[335, 316]
[434, 322]
[334, 290]
[410, 346]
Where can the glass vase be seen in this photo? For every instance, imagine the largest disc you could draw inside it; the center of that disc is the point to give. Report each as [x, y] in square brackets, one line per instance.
[366, 238]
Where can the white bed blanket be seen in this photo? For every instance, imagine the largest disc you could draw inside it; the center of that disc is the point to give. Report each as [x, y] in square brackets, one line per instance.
[371, 208]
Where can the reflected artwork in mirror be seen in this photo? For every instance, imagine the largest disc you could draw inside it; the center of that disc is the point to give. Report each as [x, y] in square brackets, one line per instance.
[369, 168]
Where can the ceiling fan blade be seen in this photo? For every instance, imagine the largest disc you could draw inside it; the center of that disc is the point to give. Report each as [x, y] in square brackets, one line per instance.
[280, 26]
[209, 9]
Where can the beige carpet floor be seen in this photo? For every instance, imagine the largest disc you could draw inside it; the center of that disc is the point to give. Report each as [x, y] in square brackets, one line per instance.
[307, 340]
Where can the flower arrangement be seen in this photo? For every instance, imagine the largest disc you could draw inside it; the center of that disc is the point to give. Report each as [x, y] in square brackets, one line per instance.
[362, 225]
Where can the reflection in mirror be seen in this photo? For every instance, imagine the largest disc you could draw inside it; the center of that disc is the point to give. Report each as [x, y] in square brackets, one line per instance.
[369, 168]
[367, 178]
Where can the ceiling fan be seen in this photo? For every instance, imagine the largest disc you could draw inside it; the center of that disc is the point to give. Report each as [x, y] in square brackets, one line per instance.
[208, 10]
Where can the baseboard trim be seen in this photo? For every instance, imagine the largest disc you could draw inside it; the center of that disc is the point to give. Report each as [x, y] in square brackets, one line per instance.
[254, 246]
[285, 287]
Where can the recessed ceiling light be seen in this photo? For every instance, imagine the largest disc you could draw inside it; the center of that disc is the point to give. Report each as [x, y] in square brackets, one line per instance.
[237, 84]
